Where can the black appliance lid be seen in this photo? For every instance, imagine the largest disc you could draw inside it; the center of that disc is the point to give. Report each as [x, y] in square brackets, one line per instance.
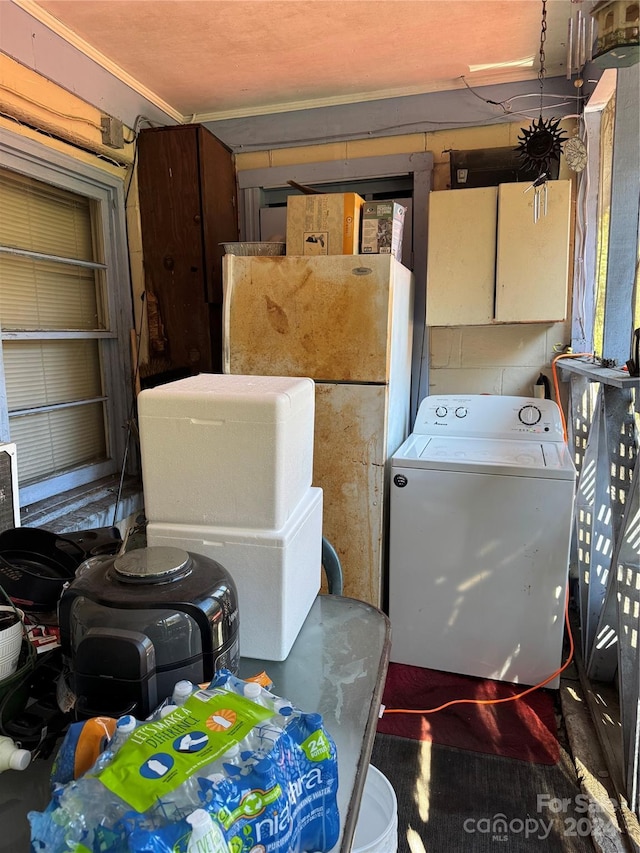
[156, 578]
[154, 564]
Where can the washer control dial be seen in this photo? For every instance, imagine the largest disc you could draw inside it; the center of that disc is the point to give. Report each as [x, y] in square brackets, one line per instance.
[441, 411]
[530, 415]
[461, 412]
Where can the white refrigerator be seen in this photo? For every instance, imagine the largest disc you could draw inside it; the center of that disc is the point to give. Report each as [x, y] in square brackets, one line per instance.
[345, 321]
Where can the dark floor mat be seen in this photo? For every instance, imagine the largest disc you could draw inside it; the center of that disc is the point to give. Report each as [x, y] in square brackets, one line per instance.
[454, 800]
[524, 729]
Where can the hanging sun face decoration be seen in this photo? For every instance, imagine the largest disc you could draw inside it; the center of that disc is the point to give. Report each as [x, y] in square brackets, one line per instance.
[540, 144]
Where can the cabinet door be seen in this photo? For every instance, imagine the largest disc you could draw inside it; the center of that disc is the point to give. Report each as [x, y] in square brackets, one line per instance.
[329, 317]
[461, 257]
[187, 207]
[533, 257]
[219, 225]
[172, 244]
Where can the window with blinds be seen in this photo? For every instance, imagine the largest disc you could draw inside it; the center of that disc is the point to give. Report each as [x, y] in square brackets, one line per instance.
[54, 323]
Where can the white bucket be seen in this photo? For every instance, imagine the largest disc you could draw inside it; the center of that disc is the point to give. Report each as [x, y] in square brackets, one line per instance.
[10, 644]
[377, 826]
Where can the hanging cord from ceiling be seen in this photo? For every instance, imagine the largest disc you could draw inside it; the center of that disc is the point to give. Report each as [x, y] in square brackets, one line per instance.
[582, 231]
[543, 37]
[505, 104]
[541, 143]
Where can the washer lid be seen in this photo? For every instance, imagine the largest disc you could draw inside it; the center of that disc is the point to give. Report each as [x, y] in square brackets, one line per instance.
[484, 455]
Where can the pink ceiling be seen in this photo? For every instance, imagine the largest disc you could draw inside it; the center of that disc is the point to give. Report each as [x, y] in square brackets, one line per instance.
[214, 56]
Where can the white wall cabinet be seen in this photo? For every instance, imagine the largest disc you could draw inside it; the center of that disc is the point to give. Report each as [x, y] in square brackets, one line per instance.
[489, 262]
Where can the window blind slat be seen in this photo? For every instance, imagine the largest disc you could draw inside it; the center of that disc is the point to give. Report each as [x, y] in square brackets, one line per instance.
[49, 372]
[53, 442]
[43, 218]
[44, 295]
[38, 295]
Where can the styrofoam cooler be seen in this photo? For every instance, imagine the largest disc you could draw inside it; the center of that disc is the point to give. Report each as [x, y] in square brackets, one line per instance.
[277, 572]
[227, 450]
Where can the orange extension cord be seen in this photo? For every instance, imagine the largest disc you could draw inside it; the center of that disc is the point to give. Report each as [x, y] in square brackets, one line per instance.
[506, 698]
[566, 604]
[556, 387]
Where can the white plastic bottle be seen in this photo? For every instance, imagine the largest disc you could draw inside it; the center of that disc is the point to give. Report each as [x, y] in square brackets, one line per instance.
[181, 692]
[285, 711]
[124, 726]
[232, 755]
[12, 757]
[252, 690]
[206, 836]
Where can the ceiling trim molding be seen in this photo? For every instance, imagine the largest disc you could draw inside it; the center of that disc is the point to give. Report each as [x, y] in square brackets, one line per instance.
[357, 98]
[53, 24]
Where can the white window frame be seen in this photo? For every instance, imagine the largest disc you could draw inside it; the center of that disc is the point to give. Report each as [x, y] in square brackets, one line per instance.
[31, 158]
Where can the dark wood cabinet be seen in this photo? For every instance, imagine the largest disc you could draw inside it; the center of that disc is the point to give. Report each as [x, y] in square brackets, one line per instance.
[188, 206]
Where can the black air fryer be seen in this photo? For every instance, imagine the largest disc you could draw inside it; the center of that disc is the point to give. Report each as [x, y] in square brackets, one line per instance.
[132, 626]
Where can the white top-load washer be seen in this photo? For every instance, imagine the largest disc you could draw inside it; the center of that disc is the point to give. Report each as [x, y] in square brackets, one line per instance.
[481, 512]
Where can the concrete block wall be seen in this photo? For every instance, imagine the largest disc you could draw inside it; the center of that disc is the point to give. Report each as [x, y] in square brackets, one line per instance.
[505, 359]
[496, 359]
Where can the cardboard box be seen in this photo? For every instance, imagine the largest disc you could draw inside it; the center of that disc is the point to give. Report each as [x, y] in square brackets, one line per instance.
[324, 224]
[382, 228]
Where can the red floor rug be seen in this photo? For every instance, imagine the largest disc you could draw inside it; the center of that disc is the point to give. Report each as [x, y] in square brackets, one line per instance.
[523, 729]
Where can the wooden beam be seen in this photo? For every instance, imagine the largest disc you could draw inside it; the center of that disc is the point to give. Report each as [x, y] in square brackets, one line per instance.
[32, 100]
[625, 210]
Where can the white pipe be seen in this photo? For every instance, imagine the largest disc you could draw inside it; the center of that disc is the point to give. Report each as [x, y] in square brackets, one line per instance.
[12, 757]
